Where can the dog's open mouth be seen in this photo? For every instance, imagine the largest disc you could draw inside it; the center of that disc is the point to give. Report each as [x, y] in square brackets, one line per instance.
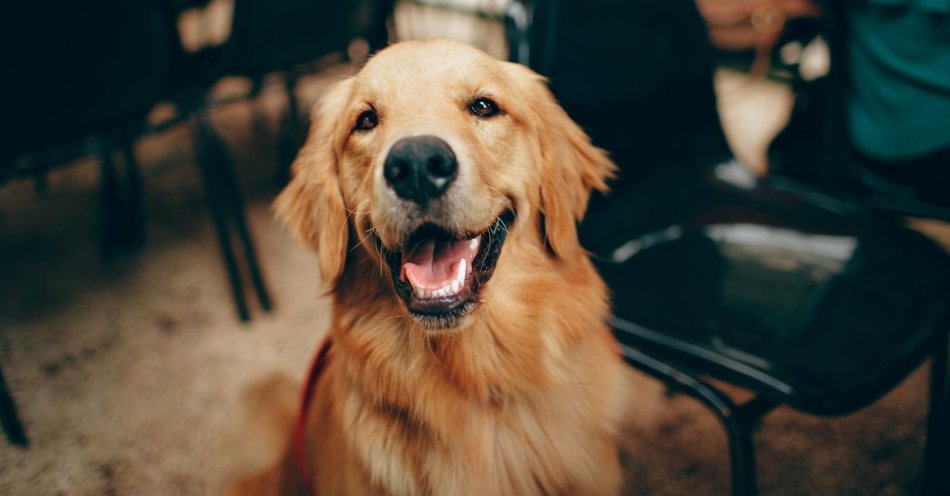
[438, 275]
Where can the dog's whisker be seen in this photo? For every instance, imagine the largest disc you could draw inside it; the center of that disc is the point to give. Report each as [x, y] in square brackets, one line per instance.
[429, 343]
[361, 241]
[505, 198]
[434, 356]
[392, 317]
[380, 259]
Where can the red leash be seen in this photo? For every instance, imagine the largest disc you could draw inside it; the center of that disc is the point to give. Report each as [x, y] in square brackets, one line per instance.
[300, 457]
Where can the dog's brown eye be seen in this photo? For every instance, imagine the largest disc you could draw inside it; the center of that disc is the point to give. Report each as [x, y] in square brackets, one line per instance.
[483, 107]
[366, 121]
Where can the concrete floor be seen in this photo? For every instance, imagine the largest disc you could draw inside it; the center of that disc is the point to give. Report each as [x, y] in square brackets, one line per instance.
[128, 373]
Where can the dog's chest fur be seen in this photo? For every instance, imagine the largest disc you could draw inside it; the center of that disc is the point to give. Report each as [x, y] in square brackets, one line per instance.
[489, 424]
[546, 447]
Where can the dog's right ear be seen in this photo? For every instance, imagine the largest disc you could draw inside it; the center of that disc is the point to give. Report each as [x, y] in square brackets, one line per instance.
[572, 166]
[312, 204]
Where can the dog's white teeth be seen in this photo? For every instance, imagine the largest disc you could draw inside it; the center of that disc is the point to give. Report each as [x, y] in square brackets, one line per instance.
[450, 289]
[473, 245]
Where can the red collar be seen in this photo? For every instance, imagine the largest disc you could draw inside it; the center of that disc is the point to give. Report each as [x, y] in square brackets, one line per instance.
[300, 456]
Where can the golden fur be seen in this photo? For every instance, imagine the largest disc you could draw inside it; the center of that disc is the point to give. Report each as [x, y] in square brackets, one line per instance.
[527, 393]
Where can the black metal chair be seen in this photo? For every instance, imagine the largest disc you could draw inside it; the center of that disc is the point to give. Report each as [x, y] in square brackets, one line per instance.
[266, 37]
[803, 299]
[81, 79]
[281, 36]
[104, 66]
[75, 89]
[286, 36]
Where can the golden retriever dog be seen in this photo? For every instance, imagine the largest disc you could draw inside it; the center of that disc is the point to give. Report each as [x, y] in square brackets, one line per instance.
[440, 189]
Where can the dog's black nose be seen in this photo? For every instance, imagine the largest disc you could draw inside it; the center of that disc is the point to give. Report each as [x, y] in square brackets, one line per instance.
[420, 168]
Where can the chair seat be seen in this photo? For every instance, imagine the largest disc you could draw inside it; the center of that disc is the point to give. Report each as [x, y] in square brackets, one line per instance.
[791, 296]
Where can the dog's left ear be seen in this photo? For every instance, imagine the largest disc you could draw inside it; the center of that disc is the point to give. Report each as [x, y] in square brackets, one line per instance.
[312, 204]
[572, 166]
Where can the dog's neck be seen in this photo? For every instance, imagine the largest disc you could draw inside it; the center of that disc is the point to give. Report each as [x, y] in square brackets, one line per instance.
[483, 362]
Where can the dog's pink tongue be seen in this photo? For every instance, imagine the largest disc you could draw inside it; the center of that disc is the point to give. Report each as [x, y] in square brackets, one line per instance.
[433, 264]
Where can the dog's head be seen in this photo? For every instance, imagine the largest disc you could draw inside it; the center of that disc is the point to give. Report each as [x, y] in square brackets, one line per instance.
[431, 158]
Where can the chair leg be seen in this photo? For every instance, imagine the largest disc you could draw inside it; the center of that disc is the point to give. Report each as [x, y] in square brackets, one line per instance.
[290, 133]
[209, 157]
[134, 229]
[40, 181]
[235, 204]
[260, 125]
[121, 205]
[109, 201]
[741, 456]
[739, 421]
[293, 105]
[382, 18]
[935, 479]
[12, 426]
[740, 426]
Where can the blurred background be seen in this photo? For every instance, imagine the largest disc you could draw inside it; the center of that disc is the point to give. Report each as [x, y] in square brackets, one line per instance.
[144, 282]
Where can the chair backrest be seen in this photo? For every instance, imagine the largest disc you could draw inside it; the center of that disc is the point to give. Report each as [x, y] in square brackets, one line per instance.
[76, 68]
[270, 35]
[636, 74]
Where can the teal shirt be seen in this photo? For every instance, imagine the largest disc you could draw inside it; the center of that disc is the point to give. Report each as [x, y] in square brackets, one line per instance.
[899, 57]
